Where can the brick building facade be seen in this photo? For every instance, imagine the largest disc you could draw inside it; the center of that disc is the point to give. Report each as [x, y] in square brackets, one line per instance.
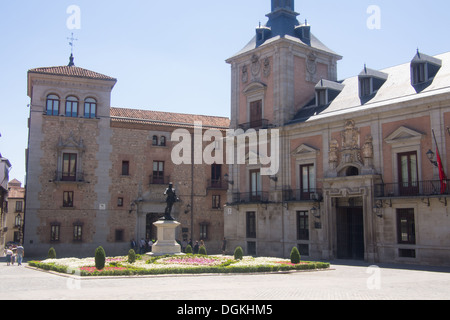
[359, 176]
[96, 174]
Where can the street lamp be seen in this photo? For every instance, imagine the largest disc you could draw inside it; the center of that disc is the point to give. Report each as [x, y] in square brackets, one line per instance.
[315, 211]
[226, 176]
[430, 156]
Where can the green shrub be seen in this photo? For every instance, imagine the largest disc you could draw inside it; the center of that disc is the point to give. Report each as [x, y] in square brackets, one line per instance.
[188, 249]
[131, 256]
[238, 253]
[202, 251]
[295, 256]
[52, 253]
[100, 258]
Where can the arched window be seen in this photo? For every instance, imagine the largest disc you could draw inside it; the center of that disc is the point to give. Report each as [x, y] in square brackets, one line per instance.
[52, 105]
[163, 141]
[90, 108]
[72, 107]
[155, 140]
[351, 171]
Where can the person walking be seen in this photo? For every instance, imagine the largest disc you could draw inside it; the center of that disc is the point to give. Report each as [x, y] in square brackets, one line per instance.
[196, 247]
[20, 255]
[8, 253]
[133, 244]
[224, 245]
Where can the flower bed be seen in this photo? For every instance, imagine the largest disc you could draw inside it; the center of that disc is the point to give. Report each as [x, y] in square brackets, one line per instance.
[185, 264]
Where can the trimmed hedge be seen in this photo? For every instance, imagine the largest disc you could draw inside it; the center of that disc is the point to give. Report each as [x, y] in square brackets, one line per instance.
[226, 269]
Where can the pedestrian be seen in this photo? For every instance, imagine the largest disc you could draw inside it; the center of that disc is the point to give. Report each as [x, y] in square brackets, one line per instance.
[13, 257]
[8, 253]
[133, 244]
[224, 245]
[150, 245]
[184, 244]
[20, 255]
[196, 247]
[142, 246]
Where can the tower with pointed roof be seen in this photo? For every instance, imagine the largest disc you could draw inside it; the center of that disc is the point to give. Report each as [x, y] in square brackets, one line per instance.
[68, 149]
[96, 174]
[282, 63]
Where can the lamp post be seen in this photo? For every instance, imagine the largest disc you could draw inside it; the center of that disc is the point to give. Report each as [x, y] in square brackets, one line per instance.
[430, 156]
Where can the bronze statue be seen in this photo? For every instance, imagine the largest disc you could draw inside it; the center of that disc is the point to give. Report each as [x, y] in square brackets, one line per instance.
[170, 200]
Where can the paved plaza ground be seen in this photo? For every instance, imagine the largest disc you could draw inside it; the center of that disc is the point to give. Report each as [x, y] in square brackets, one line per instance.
[344, 281]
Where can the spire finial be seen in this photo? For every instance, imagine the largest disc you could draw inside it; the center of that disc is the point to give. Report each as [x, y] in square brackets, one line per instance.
[71, 63]
[71, 44]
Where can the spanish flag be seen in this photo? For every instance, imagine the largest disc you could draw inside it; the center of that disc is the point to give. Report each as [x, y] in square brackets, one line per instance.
[442, 176]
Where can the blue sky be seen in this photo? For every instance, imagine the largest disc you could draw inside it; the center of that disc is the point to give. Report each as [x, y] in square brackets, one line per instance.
[170, 55]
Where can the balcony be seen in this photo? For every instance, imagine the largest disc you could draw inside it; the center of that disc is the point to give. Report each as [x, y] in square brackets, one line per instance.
[62, 176]
[159, 180]
[217, 184]
[251, 197]
[290, 195]
[412, 189]
[257, 125]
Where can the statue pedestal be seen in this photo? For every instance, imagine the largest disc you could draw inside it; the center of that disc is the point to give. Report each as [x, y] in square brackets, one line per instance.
[166, 243]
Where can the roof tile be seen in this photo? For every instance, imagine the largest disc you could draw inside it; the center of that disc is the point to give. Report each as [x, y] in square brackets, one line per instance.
[168, 118]
[71, 71]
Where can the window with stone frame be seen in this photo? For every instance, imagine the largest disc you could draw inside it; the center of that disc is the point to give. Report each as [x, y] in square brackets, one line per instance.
[69, 167]
[302, 225]
[90, 108]
[77, 232]
[52, 105]
[71, 107]
[158, 172]
[68, 199]
[203, 231]
[216, 201]
[55, 232]
[125, 168]
[251, 224]
[406, 229]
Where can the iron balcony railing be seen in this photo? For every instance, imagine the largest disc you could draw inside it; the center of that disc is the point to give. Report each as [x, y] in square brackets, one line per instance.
[412, 189]
[302, 195]
[217, 184]
[159, 180]
[251, 197]
[257, 125]
[63, 176]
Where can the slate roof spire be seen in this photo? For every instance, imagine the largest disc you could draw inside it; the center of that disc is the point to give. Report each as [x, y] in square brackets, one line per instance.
[283, 18]
[286, 4]
[283, 22]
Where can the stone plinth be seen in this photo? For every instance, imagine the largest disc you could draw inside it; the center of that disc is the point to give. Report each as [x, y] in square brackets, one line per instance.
[166, 243]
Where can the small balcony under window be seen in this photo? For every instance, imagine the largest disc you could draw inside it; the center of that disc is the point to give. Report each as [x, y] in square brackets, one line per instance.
[251, 197]
[413, 189]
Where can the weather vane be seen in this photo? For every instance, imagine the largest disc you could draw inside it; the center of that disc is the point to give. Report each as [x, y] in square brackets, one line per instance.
[71, 43]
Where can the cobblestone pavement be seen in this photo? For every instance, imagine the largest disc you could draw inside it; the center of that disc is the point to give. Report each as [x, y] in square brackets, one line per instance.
[341, 282]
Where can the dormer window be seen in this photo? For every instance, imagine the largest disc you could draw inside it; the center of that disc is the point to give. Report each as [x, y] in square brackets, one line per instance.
[370, 81]
[365, 86]
[423, 69]
[322, 98]
[327, 91]
[304, 33]
[418, 73]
